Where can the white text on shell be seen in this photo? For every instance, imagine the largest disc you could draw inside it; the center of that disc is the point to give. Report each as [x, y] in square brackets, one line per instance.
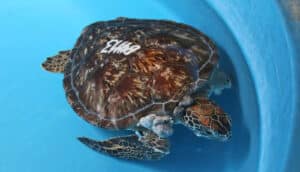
[119, 46]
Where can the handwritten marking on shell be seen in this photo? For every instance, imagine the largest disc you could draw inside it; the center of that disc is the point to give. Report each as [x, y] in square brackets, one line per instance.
[120, 47]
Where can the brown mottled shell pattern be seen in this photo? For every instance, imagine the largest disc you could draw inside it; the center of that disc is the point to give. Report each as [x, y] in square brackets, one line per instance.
[115, 90]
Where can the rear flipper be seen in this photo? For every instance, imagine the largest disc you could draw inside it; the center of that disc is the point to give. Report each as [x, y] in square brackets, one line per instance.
[147, 147]
[58, 62]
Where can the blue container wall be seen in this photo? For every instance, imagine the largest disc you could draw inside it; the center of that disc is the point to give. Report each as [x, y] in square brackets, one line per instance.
[291, 9]
[39, 129]
[263, 38]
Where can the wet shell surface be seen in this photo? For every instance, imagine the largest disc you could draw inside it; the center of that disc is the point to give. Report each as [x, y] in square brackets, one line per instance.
[124, 69]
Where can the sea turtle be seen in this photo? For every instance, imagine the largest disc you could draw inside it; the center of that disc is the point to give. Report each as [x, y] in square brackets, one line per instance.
[143, 76]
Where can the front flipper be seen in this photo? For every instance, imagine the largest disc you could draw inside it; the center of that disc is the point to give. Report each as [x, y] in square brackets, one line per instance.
[218, 82]
[147, 147]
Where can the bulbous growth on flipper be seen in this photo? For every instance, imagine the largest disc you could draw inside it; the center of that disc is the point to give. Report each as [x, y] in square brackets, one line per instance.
[218, 82]
[162, 125]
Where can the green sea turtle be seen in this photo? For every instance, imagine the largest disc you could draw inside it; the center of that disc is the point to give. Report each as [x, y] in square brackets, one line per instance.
[143, 76]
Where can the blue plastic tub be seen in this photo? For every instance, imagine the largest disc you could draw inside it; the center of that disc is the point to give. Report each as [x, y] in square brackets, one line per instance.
[258, 46]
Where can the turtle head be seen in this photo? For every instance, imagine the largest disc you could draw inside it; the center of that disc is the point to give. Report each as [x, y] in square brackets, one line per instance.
[207, 120]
